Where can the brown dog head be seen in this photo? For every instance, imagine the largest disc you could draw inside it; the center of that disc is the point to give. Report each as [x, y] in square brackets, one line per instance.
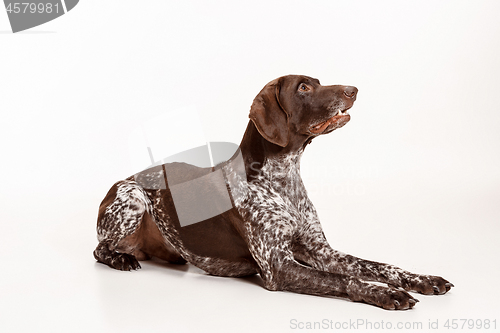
[297, 105]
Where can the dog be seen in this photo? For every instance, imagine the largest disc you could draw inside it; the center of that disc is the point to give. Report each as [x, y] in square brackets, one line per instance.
[272, 228]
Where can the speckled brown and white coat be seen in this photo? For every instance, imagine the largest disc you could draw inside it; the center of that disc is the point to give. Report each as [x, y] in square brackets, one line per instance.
[273, 228]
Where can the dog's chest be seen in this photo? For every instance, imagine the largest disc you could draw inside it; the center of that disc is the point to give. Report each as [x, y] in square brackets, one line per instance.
[276, 193]
[284, 180]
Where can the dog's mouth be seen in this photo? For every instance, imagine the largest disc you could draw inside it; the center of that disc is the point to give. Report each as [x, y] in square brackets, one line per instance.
[337, 121]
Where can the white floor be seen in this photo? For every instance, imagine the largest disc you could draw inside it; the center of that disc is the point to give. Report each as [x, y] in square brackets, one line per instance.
[51, 283]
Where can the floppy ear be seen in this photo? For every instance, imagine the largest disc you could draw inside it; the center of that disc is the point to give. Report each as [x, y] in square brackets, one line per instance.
[268, 116]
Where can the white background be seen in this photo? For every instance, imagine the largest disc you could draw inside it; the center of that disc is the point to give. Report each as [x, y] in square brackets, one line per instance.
[412, 180]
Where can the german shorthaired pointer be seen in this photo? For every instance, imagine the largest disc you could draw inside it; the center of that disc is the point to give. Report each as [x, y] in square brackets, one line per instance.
[272, 228]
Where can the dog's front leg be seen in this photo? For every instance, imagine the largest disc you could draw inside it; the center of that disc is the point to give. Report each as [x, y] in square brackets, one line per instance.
[311, 246]
[270, 245]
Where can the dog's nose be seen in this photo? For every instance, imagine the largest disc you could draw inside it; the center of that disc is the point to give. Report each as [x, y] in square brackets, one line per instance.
[350, 92]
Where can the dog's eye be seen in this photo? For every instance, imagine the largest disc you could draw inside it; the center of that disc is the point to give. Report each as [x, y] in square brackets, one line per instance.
[304, 87]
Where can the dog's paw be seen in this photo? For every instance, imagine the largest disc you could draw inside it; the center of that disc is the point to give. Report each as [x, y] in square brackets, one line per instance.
[429, 285]
[387, 298]
[124, 262]
[394, 299]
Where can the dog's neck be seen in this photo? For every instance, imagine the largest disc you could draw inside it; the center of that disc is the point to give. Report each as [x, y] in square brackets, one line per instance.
[258, 152]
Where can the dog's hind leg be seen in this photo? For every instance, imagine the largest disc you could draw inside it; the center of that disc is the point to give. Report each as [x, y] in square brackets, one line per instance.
[119, 219]
[126, 232]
